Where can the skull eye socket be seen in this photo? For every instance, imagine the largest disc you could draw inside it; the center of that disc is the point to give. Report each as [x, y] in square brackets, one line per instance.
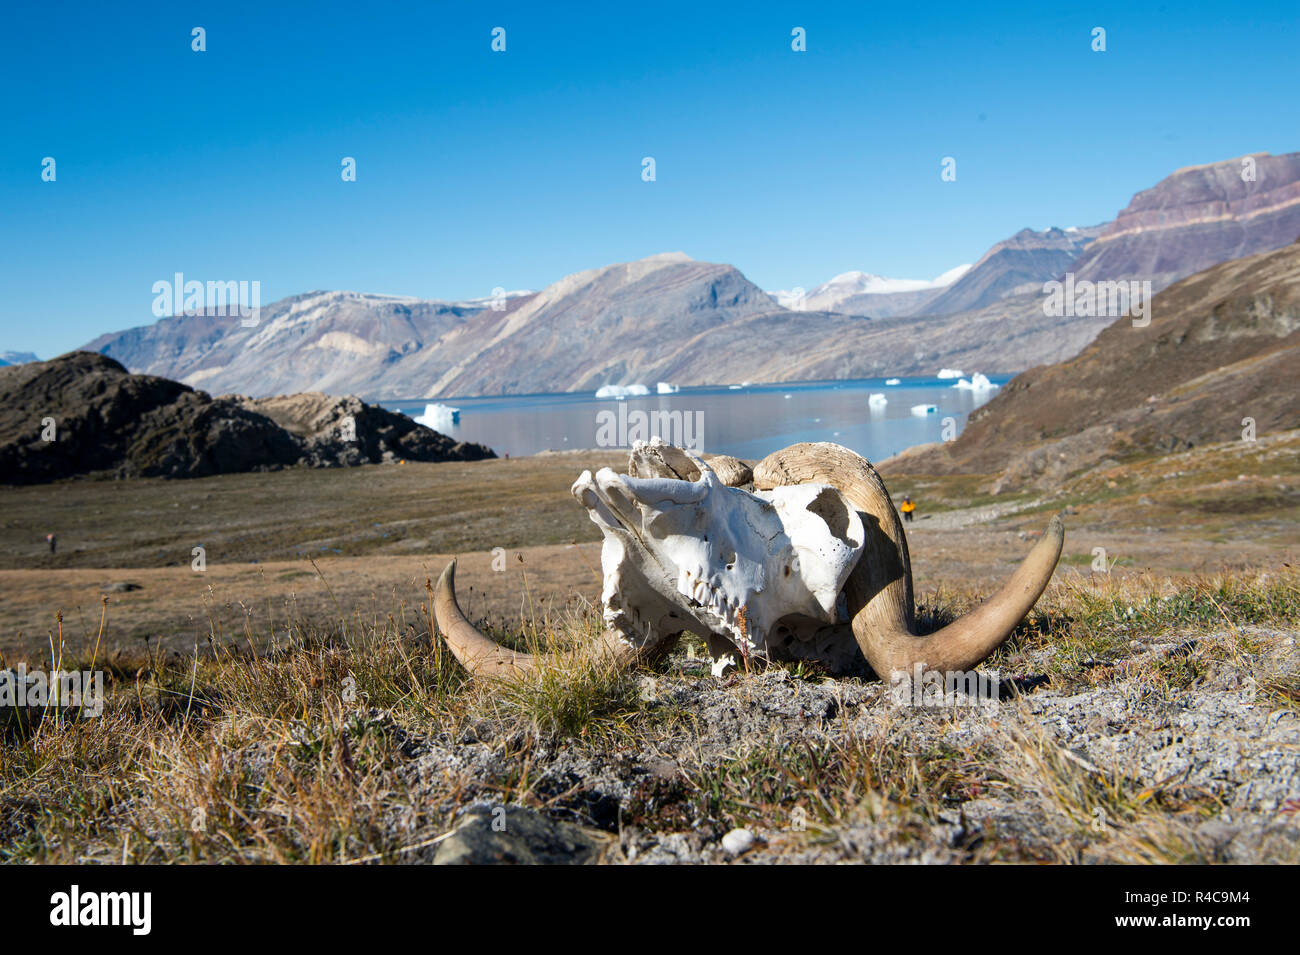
[831, 508]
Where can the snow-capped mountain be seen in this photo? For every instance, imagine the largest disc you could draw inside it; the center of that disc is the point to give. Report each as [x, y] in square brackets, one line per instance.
[862, 293]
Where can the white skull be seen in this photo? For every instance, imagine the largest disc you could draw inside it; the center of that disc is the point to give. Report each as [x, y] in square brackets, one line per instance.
[719, 561]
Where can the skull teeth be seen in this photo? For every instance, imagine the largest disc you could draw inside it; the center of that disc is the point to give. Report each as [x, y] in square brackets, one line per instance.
[708, 594]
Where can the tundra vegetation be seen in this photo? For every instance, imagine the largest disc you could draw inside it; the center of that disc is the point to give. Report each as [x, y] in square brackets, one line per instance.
[361, 739]
[1147, 713]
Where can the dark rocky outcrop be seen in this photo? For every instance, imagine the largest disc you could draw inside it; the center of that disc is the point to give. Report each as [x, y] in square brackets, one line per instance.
[346, 431]
[105, 420]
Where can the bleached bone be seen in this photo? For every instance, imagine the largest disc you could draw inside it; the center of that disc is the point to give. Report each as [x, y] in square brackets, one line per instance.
[655, 458]
[735, 567]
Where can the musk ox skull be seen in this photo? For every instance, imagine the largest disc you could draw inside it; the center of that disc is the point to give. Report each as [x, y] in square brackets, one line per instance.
[743, 570]
[812, 564]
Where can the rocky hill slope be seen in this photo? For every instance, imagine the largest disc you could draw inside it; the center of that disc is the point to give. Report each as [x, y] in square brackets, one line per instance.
[84, 413]
[1220, 357]
[332, 342]
[1016, 265]
[1198, 217]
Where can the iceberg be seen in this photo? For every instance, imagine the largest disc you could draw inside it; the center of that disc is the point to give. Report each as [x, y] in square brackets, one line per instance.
[439, 417]
[621, 391]
[893, 381]
[977, 382]
[877, 401]
[664, 388]
[922, 410]
[951, 373]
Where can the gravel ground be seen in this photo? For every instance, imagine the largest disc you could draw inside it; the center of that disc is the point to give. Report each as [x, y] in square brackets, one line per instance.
[1222, 742]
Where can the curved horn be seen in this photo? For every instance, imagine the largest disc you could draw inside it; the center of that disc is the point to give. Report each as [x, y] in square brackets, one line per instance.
[478, 653]
[482, 655]
[879, 591]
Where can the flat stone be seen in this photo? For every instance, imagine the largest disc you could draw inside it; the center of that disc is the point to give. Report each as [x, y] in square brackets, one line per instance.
[515, 835]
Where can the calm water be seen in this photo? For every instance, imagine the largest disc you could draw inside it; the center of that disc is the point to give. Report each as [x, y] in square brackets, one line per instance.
[749, 423]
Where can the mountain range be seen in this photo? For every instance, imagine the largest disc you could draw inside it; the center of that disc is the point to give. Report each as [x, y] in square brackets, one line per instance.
[671, 318]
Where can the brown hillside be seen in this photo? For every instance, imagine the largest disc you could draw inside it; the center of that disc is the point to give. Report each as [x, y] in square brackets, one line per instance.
[1222, 346]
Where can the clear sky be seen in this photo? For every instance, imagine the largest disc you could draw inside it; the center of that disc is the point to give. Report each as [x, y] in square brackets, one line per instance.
[478, 169]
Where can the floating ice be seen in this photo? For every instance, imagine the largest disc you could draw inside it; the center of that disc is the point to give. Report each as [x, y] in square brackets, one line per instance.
[977, 382]
[893, 381]
[439, 417]
[621, 391]
[950, 372]
[664, 388]
[877, 400]
[922, 410]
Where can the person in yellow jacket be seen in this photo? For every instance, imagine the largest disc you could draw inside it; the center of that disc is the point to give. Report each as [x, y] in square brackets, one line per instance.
[907, 507]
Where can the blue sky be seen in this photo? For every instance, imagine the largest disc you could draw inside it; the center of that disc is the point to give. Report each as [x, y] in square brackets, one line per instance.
[478, 169]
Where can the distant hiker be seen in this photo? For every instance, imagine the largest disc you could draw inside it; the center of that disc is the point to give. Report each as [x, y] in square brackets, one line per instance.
[52, 540]
[907, 507]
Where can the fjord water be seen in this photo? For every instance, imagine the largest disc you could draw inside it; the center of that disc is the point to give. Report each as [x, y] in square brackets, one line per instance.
[748, 422]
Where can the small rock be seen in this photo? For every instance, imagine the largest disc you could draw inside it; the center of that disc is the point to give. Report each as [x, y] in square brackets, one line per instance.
[648, 689]
[738, 842]
[514, 835]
